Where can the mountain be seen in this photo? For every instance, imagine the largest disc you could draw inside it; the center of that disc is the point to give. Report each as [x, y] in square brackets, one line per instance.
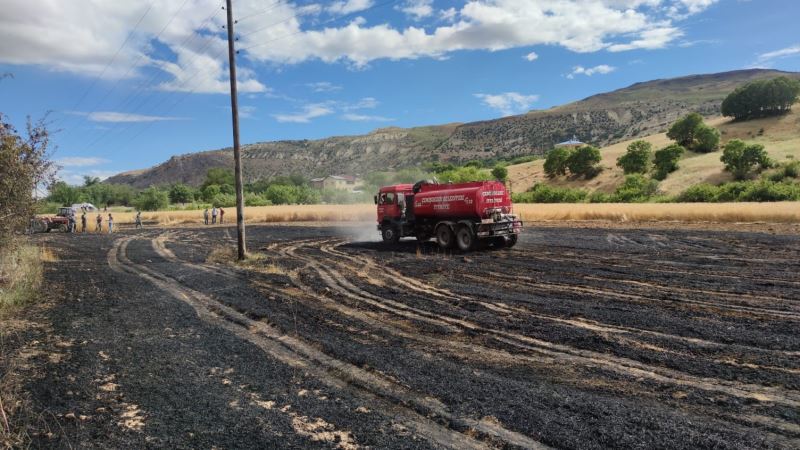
[638, 110]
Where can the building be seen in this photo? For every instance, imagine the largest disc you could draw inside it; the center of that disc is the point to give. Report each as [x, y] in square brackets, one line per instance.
[341, 182]
[572, 143]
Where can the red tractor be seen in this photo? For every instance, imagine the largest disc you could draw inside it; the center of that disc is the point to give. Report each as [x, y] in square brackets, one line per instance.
[462, 214]
[58, 222]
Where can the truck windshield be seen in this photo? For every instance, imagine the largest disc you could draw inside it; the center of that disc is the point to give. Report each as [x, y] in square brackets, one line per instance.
[387, 198]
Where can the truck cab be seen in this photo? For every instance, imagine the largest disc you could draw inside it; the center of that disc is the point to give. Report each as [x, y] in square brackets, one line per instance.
[393, 210]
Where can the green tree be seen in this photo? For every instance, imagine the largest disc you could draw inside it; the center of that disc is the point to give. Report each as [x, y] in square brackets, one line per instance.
[180, 193]
[637, 158]
[500, 173]
[281, 194]
[89, 180]
[219, 176]
[556, 162]
[583, 161]
[666, 160]
[684, 129]
[761, 98]
[210, 191]
[64, 194]
[706, 139]
[740, 158]
[151, 199]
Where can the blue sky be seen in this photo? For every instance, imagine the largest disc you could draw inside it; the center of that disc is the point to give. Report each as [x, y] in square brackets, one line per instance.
[129, 84]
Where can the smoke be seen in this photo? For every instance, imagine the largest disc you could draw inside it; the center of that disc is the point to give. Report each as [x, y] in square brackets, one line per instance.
[358, 232]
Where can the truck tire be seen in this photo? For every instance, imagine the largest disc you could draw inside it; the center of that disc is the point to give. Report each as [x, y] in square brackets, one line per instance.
[511, 240]
[390, 234]
[465, 238]
[445, 237]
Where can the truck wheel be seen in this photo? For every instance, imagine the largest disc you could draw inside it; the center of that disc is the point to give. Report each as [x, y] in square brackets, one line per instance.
[390, 234]
[465, 238]
[445, 237]
[511, 240]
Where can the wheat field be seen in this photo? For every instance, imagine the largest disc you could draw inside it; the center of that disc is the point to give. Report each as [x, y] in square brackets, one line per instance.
[776, 212]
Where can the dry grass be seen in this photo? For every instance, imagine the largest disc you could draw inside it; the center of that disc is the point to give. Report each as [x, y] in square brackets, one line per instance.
[21, 274]
[780, 137]
[777, 212]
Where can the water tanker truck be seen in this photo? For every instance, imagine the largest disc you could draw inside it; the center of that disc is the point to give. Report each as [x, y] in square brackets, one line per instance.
[455, 214]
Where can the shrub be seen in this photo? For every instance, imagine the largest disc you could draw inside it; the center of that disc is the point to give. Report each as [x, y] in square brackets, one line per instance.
[700, 193]
[601, 197]
[151, 199]
[181, 193]
[740, 158]
[637, 158]
[684, 129]
[635, 188]
[666, 160]
[731, 192]
[583, 161]
[542, 193]
[465, 174]
[281, 194]
[210, 191]
[556, 162]
[707, 139]
[769, 191]
[224, 200]
[253, 199]
[500, 173]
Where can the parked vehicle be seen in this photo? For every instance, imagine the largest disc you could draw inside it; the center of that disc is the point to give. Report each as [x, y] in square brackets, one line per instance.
[58, 222]
[462, 214]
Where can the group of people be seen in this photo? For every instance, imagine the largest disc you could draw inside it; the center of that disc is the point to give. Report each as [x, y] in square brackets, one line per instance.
[72, 224]
[214, 212]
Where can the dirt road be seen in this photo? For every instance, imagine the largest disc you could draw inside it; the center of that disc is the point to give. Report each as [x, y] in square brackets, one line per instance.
[576, 338]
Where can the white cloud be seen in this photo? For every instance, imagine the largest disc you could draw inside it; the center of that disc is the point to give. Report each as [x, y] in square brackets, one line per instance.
[309, 112]
[532, 56]
[80, 161]
[365, 118]
[323, 86]
[448, 15]
[508, 103]
[417, 9]
[602, 69]
[364, 103]
[348, 6]
[777, 54]
[117, 117]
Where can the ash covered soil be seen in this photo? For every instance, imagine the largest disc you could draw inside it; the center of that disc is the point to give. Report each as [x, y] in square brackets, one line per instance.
[575, 338]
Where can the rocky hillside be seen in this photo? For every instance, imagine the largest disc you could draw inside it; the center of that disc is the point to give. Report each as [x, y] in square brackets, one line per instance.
[638, 110]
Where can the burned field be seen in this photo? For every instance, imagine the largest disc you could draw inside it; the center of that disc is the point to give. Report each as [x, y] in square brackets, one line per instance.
[575, 338]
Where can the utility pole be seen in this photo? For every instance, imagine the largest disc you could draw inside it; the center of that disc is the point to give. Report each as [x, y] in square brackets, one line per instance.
[237, 154]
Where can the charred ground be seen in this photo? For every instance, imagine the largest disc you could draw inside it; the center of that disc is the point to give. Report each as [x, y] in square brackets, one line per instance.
[576, 338]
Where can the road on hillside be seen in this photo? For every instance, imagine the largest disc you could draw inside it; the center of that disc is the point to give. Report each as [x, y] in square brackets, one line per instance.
[575, 338]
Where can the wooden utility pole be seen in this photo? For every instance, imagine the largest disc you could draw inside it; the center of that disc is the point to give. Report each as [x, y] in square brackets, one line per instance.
[237, 154]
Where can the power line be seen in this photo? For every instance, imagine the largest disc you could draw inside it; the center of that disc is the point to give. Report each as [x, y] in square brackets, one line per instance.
[258, 13]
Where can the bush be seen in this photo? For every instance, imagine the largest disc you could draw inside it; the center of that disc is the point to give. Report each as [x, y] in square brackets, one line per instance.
[666, 160]
[281, 194]
[684, 129]
[700, 193]
[769, 191]
[707, 139]
[635, 188]
[224, 200]
[252, 199]
[731, 192]
[151, 199]
[556, 162]
[601, 197]
[740, 158]
[465, 174]
[500, 173]
[210, 191]
[583, 161]
[637, 158]
[181, 193]
[542, 193]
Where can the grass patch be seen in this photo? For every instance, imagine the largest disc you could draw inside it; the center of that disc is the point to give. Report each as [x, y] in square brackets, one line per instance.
[21, 274]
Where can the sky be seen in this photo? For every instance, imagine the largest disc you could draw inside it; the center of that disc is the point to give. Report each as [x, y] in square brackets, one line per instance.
[127, 85]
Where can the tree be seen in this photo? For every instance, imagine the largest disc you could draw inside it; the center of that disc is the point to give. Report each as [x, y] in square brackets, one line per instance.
[180, 193]
[637, 158]
[583, 161]
[219, 176]
[635, 188]
[151, 199]
[684, 129]
[761, 98]
[210, 191]
[24, 166]
[500, 173]
[556, 162]
[89, 180]
[740, 158]
[706, 139]
[281, 194]
[666, 160]
[64, 194]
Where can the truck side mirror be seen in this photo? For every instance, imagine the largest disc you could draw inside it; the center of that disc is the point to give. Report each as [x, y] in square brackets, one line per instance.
[375, 197]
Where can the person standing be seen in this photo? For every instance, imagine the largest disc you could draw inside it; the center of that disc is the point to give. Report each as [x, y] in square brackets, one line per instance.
[205, 216]
[99, 228]
[213, 215]
[83, 222]
[138, 219]
[71, 222]
[221, 215]
[110, 223]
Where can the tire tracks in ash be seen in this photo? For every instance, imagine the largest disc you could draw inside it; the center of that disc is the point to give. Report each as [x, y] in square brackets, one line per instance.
[386, 395]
